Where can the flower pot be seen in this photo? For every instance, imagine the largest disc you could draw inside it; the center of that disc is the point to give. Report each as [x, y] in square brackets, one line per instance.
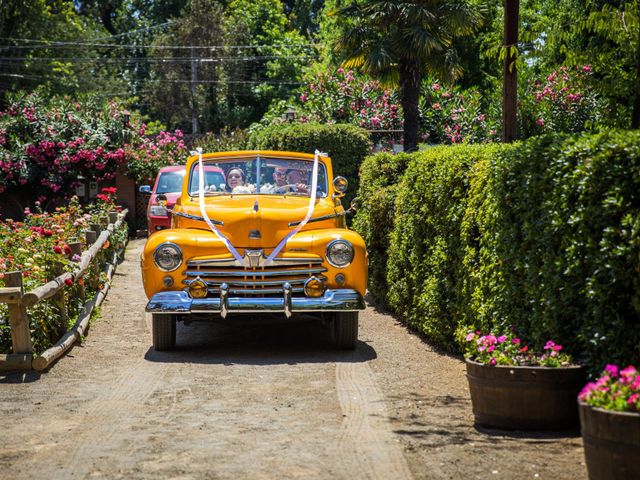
[611, 443]
[525, 398]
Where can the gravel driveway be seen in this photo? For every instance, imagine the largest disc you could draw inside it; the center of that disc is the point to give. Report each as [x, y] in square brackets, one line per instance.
[253, 401]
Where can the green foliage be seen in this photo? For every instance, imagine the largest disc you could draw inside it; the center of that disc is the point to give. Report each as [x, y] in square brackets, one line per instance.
[379, 177]
[541, 238]
[346, 145]
[226, 141]
[425, 248]
[552, 239]
[450, 114]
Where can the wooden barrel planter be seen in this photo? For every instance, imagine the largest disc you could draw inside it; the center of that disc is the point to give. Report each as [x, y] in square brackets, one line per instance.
[611, 443]
[525, 398]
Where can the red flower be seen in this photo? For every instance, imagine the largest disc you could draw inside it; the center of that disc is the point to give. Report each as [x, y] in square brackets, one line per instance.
[68, 282]
[524, 349]
[57, 249]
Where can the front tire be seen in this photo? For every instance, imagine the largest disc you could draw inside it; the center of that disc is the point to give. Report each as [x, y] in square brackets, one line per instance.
[345, 330]
[164, 332]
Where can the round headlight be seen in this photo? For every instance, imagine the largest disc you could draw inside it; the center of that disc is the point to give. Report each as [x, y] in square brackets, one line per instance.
[339, 253]
[168, 257]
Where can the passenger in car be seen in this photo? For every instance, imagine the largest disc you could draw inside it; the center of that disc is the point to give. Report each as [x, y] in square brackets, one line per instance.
[235, 178]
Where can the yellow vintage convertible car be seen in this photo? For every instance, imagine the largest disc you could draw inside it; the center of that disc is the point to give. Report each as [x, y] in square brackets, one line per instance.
[259, 233]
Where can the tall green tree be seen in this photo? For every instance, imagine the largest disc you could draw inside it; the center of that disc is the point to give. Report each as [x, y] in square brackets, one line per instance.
[39, 46]
[265, 58]
[400, 42]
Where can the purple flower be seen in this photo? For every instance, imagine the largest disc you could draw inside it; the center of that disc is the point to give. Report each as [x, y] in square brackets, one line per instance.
[493, 362]
[501, 338]
[515, 341]
[76, 258]
[549, 344]
[470, 337]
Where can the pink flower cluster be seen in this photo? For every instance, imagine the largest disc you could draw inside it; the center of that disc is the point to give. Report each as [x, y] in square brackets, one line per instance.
[615, 389]
[507, 349]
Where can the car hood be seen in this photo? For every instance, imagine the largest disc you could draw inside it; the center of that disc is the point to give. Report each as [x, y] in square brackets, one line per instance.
[256, 221]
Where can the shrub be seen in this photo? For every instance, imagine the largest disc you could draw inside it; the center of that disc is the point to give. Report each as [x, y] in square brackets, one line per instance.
[226, 141]
[542, 236]
[552, 244]
[343, 96]
[379, 177]
[425, 249]
[148, 155]
[564, 101]
[453, 115]
[346, 145]
[50, 142]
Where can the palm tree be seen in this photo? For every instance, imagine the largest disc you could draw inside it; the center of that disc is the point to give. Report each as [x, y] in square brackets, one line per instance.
[401, 41]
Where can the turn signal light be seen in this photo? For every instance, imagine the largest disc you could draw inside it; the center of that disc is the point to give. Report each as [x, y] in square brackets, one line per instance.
[314, 287]
[198, 289]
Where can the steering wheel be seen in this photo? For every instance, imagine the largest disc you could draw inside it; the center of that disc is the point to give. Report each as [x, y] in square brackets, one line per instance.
[285, 188]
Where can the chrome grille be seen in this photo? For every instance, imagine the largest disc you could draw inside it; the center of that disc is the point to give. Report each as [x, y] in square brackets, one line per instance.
[245, 280]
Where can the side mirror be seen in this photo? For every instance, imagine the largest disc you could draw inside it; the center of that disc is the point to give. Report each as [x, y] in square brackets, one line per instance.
[340, 184]
[355, 205]
[145, 189]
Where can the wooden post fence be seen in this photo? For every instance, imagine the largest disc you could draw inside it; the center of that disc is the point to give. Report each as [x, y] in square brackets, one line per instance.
[17, 301]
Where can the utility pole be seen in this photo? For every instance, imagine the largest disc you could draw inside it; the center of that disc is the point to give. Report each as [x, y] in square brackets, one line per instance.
[194, 83]
[510, 82]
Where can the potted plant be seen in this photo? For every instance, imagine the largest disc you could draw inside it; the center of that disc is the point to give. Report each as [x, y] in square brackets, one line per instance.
[610, 424]
[513, 387]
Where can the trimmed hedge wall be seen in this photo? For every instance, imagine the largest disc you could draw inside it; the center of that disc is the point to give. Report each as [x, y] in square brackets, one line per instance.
[542, 236]
[379, 177]
[347, 146]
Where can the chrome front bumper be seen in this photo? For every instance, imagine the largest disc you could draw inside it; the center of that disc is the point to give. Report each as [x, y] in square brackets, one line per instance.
[179, 302]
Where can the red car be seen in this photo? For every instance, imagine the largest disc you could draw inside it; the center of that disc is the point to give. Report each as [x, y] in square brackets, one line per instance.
[169, 183]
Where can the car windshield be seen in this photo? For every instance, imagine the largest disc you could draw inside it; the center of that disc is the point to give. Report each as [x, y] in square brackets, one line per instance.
[258, 175]
[170, 182]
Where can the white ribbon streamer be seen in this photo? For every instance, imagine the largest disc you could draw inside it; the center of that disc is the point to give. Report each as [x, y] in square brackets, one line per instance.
[203, 210]
[312, 204]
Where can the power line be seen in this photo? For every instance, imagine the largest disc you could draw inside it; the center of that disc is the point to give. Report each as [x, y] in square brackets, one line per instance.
[154, 59]
[66, 44]
[168, 80]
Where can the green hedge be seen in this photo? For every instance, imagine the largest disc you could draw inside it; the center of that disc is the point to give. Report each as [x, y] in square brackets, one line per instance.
[541, 236]
[347, 145]
[379, 177]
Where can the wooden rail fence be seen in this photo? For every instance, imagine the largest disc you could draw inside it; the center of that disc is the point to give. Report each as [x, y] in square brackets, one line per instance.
[18, 301]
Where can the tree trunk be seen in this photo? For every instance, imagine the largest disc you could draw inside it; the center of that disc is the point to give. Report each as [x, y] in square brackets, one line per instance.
[635, 120]
[510, 82]
[410, 94]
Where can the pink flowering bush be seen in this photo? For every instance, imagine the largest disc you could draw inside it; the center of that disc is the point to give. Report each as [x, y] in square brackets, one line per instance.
[616, 389]
[35, 247]
[562, 102]
[453, 115]
[51, 142]
[149, 154]
[509, 350]
[343, 96]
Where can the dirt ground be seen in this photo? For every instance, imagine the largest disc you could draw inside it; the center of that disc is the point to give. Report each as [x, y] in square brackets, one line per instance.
[258, 402]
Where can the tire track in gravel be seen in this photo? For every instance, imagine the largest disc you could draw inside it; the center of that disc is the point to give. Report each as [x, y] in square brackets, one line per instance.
[366, 432]
[112, 412]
